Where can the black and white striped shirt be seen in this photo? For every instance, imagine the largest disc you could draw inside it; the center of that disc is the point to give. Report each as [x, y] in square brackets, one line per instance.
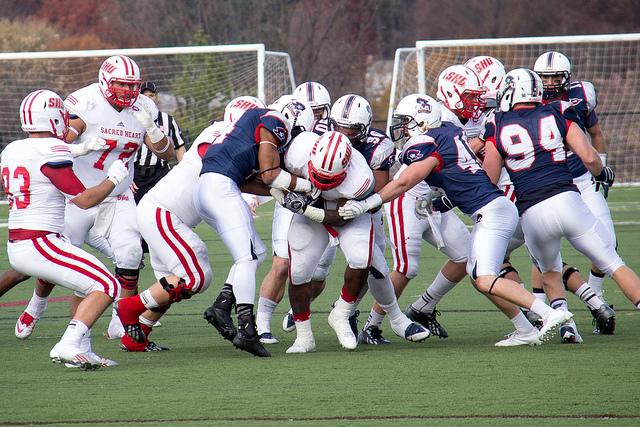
[168, 125]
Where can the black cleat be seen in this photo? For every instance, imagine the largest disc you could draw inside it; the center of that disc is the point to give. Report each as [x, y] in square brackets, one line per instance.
[372, 335]
[604, 319]
[428, 320]
[353, 322]
[219, 315]
[151, 346]
[247, 338]
[533, 318]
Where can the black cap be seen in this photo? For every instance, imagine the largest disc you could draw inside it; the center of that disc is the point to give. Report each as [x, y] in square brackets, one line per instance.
[148, 86]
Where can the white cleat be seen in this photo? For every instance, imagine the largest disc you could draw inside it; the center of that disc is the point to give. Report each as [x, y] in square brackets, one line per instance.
[306, 344]
[552, 321]
[569, 333]
[268, 338]
[25, 325]
[339, 322]
[75, 358]
[288, 324]
[516, 338]
[115, 331]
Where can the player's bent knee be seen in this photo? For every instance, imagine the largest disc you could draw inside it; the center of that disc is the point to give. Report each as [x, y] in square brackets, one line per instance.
[177, 292]
[128, 278]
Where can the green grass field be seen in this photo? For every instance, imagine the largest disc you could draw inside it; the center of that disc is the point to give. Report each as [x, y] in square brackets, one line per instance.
[463, 380]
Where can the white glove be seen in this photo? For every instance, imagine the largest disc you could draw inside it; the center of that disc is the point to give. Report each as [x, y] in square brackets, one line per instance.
[423, 208]
[354, 208]
[94, 144]
[117, 172]
[143, 115]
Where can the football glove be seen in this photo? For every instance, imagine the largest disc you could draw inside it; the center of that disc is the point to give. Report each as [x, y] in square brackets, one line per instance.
[605, 180]
[354, 208]
[295, 202]
[442, 204]
[143, 115]
[117, 172]
[93, 144]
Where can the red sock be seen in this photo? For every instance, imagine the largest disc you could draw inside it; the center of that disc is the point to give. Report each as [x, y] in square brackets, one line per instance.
[131, 345]
[348, 297]
[301, 317]
[130, 309]
[146, 329]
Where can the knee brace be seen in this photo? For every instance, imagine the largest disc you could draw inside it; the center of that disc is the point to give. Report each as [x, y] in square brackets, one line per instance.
[128, 278]
[176, 293]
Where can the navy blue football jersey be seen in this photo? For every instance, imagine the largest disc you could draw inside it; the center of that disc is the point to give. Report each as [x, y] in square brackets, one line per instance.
[236, 155]
[531, 142]
[458, 174]
[582, 96]
[378, 150]
[320, 126]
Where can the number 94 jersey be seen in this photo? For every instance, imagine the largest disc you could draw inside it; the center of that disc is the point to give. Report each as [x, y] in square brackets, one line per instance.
[531, 142]
[458, 174]
[120, 129]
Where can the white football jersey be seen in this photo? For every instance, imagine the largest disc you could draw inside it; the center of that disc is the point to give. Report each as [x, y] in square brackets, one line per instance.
[358, 183]
[174, 192]
[34, 202]
[123, 133]
[472, 128]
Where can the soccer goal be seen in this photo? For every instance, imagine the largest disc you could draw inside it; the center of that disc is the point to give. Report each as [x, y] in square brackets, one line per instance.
[611, 62]
[194, 83]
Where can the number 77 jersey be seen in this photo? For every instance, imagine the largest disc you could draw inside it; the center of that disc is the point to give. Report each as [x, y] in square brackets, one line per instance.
[120, 129]
[531, 142]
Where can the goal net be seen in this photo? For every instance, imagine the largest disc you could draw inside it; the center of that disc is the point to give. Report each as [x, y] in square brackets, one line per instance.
[194, 83]
[610, 62]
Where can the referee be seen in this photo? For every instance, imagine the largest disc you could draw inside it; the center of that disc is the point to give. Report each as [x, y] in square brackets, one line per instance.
[149, 169]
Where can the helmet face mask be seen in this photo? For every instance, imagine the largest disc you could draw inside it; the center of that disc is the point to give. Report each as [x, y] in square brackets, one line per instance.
[44, 111]
[357, 133]
[557, 69]
[415, 115]
[555, 84]
[297, 115]
[330, 157]
[119, 79]
[460, 90]
[352, 116]
[317, 96]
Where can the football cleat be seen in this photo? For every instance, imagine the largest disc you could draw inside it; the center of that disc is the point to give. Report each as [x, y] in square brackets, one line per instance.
[339, 322]
[106, 363]
[220, 318]
[148, 347]
[135, 332]
[268, 338]
[428, 320]
[306, 344]
[604, 319]
[353, 322]
[552, 321]
[516, 338]
[372, 335]
[25, 325]
[115, 331]
[569, 333]
[533, 318]
[288, 324]
[415, 332]
[247, 338]
[74, 358]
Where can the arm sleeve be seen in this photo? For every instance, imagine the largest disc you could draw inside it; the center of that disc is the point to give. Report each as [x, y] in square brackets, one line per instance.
[62, 177]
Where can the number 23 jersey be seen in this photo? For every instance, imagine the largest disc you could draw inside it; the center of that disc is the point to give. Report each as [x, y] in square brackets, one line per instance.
[120, 129]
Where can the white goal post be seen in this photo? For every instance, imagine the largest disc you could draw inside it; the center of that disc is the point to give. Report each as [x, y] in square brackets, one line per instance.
[610, 61]
[194, 83]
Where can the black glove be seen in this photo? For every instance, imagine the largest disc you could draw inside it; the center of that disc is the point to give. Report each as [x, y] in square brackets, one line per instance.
[295, 202]
[605, 180]
[442, 204]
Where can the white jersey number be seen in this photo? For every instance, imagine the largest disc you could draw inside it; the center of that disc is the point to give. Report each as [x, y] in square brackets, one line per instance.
[519, 146]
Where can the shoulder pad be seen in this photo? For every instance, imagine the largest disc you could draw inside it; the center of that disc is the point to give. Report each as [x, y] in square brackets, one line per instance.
[586, 91]
[384, 150]
[298, 154]
[449, 116]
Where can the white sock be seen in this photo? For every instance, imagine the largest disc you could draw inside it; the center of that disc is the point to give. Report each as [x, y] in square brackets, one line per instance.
[540, 295]
[147, 322]
[375, 319]
[522, 324]
[589, 297]
[85, 342]
[596, 282]
[74, 333]
[434, 293]
[303, 328]
[347, 308]
[399, 322]
[560, 304]
[266, 307]
[540, 308]
[147, 300]
[37, 305]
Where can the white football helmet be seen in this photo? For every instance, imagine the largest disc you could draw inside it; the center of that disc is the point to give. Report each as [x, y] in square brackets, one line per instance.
[297, 114]
[124, 70]
[317, 96]
[237, 107]
[460, 90]
[330, 157]
[491, 73]
[520, 85]
[44, 111]
[351, 115]
[554, 64]
[414, 115]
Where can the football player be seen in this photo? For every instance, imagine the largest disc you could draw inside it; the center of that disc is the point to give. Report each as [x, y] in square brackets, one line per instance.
[38, 177]
[251, 148]
[529, 138]
[112, 109]
[442, 157]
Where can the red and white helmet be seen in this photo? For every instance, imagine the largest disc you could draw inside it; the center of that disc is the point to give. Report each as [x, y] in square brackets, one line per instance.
[120, 69]
[460, 90]
[351, 115]
[330, 157]
[491, 72]
[44, 111]
[554, 64]
[237, 107]
[317, 96]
